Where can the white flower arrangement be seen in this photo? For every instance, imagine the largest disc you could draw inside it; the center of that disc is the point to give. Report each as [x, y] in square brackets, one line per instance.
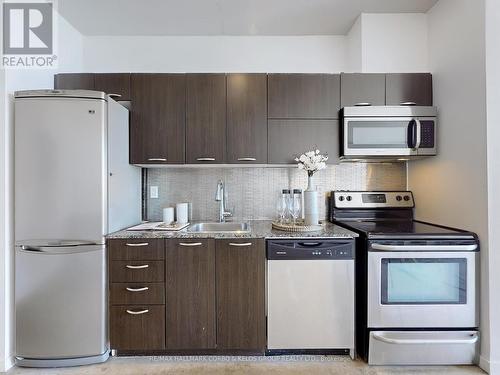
[312, 161]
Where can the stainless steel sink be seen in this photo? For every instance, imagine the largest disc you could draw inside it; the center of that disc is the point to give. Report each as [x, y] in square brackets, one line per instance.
[219, 228]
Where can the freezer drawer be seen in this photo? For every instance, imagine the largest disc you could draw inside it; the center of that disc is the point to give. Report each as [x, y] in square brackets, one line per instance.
[60, 301]
[423, 347]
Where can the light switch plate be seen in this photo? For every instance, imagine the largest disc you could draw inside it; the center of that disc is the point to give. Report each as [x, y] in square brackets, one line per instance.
[153, 192]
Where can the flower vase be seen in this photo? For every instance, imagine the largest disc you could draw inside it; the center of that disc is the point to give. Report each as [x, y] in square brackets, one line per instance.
[311, 212]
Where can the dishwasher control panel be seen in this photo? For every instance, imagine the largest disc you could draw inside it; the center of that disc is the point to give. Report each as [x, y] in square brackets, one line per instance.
[309, 249]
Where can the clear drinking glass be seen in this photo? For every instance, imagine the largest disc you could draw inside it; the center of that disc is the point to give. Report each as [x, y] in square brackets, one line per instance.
[296, 205]
[284, 206]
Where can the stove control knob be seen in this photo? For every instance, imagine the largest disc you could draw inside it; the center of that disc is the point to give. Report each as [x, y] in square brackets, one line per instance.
[407, 198]
[341, 198]
[349, 198]
[398, 198]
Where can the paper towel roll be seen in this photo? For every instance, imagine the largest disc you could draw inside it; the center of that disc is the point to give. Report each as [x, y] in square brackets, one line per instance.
[168, 215]
[182, 210]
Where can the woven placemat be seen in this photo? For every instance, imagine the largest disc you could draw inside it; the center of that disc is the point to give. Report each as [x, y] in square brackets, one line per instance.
[297, 227]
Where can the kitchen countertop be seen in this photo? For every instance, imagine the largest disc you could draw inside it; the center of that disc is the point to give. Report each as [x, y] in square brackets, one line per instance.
[258, 229]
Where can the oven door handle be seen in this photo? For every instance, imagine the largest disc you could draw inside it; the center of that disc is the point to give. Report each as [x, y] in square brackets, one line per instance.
[381, 247]
[473, 339]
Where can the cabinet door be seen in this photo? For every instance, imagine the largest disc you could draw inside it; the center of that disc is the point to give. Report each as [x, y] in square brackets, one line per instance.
[362, 88]
[206, 118]
[290, 138]
[241, 312]
[74, 81]
[190, 312]
[113, 83]
[157, 127]
[409, 89]
[247, 118]
[304, 95]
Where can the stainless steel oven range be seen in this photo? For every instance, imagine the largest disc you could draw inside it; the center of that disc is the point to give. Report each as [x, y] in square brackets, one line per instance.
[416, 283]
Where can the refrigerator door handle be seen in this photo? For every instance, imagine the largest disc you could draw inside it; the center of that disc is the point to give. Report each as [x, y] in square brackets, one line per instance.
[68, 249]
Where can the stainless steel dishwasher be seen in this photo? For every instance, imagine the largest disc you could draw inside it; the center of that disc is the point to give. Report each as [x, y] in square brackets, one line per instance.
[310, 296]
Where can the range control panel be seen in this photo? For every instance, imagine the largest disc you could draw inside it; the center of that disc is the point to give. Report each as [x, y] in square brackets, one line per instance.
[373, 199]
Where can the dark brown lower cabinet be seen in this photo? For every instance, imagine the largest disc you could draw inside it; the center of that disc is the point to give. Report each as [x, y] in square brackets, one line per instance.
[241, 315]
[137, 327]
[190, 312]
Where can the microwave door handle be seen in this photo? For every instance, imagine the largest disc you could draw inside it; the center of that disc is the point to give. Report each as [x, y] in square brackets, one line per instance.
[418, 132]
[411, 133]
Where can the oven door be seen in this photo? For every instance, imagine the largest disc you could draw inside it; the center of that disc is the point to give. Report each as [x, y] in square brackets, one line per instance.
[420, 289]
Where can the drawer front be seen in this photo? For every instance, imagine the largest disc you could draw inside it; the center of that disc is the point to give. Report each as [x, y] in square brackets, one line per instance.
[137, 249]
[137, 271]
[137, 327]
[137, 293]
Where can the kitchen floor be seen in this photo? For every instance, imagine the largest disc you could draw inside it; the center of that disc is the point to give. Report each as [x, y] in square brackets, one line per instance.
[244, 365]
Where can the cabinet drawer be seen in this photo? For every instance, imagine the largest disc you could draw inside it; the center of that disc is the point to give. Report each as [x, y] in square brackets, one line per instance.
[137, 293]
[137, 249]
[137, 271]
[137, 327]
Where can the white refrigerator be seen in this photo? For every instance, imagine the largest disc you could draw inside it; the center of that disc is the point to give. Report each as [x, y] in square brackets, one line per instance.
[73, 185]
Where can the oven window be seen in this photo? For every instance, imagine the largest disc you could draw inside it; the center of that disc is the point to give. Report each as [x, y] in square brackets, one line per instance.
[378, 134]
[424, 281]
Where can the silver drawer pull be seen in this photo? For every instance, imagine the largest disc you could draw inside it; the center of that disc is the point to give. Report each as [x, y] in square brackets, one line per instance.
[132, 312]
[205, 159]
[407, 103]
[190, 243]
[362, 104]
[138, 289]
[137, 244]
[240, 244]
[247, 159]
[137, 267]
[157, 159]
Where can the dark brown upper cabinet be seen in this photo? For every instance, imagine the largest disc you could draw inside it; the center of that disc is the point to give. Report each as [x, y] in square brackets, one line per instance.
[158, 114]
[74, 81]
[408, 89]
[117, 84]
[241, 303]
[290, 138]
[190, 312]
[205, 118]
[247, 118]
[362, 89]
[308, 96]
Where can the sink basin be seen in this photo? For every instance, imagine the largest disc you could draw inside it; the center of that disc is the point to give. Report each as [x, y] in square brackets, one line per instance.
[219, 228]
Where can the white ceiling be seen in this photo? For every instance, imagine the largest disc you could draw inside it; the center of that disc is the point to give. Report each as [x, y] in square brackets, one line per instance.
[226, 17]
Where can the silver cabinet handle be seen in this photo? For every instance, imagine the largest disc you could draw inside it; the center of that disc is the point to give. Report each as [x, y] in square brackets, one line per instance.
[362, 104]
[205, 159]
[137, 267]
[115, 95]
[382, 247]
[240, 244]
[247, 159]
[407, 103]
[132, 312]
[137, 244]
[157, 159]
[190, 244]
[137, 289]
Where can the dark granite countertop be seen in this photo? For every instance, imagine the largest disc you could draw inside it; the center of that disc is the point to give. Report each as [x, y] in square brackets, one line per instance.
[258, 229]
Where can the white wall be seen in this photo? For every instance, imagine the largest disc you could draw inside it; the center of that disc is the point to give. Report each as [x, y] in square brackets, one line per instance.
[493, 135]
[452, 187]
[354, 47]
[215, 54]
[69, 50]
[394, 43]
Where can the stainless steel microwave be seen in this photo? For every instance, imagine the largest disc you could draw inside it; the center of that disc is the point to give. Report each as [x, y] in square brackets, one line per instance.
[387, 132]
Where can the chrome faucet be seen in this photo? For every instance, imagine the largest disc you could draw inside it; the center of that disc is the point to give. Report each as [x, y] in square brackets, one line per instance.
[220, 197]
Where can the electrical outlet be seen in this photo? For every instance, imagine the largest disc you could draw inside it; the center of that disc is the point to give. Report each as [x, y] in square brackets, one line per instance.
[153, 192]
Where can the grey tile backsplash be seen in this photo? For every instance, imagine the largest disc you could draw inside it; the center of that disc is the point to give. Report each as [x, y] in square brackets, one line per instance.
[253, 192]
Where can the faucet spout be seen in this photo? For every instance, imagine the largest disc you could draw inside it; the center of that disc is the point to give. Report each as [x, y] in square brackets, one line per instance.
[220, 197]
